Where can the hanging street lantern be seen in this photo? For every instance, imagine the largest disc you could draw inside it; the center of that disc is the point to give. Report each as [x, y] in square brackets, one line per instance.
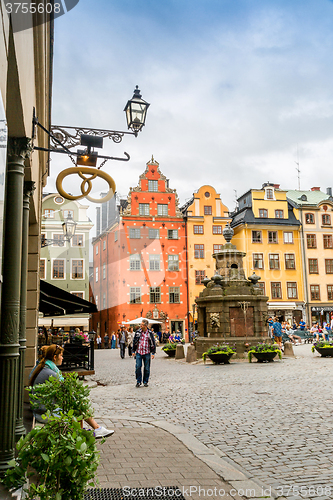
[136, 111]
[69, 227]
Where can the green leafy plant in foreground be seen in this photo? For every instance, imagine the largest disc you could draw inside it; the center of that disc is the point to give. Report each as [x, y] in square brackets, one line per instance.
[219, 349]
[60, 459]
[66, 395]
[262, 348]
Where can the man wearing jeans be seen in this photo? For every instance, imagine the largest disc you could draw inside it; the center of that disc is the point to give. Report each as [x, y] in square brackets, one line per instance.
[144, 348]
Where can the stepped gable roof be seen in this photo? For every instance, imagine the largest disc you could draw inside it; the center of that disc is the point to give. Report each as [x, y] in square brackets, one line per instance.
[126, 210]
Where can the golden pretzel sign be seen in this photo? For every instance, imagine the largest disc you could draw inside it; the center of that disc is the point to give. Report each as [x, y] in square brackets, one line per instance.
[86, 184]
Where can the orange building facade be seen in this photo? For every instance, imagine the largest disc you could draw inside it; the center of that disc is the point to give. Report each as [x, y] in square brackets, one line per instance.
[140, 259]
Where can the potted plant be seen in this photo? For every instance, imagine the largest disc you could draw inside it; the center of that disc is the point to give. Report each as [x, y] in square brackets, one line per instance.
[170, 349]
[60, 459]
[324, 347]
[264, 352]
[219, 353]
[79, 337]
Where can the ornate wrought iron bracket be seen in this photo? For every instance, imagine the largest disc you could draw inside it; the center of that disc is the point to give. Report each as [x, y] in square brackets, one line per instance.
[72, 140]
[70, 136]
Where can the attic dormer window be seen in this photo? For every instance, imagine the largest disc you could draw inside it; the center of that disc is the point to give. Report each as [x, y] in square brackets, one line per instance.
[269, 194]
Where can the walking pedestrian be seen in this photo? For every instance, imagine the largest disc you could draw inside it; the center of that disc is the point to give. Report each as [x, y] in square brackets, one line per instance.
[123, 341]
[113, 340]
[144, 348]
[130, 336]
[99, 342]
[277, 332]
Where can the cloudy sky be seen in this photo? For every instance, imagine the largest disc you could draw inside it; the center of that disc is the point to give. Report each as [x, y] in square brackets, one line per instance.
[240, 90]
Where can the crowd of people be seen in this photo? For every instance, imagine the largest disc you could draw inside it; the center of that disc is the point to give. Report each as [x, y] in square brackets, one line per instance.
[278, 329]
[123, 339]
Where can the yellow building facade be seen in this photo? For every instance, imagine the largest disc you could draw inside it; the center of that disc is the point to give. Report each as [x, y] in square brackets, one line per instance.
[206, 217]
[268, 231]
[315, 211]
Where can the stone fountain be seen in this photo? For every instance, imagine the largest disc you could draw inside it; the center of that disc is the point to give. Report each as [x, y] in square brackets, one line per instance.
[231, 308]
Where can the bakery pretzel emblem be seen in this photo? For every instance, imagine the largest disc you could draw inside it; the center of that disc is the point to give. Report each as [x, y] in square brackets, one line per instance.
[87, 174]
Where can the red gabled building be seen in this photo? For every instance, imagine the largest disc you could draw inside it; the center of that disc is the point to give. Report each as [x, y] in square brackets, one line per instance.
[140, 258]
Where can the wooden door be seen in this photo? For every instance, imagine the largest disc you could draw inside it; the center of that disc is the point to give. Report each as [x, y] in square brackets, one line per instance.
[241, 326]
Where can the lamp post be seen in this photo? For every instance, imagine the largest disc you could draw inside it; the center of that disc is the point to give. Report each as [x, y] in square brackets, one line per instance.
[68, 227]
[63, 138]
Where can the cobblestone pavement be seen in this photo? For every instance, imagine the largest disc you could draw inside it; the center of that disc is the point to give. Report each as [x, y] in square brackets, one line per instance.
[273, 421]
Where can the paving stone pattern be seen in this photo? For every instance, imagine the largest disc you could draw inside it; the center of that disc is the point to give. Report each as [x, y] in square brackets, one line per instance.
[141, 456]
[272, 420]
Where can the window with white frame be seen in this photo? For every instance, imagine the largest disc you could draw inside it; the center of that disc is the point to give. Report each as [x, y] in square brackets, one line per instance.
[174, 294]
[58, 269]
[173, 262]
[272, 237]
[258, 261]
[77, 240]
[78, 294]
[77, 269]
[274, 261]
[135, 262]
[292, 290]
[104, 301]
[59, 240]
[288, 237]
[152, 186]
[104, 271]
[162, 209]
[144, 209]
[48, 213]
[135, 295]
[96, 274]
[96, 250]
[134, 233]
[217, 229]
[116, 236]
[256, 237]
[68, 214]
[154, 234]
[104, 244]
[269, 192]
[172, 234]
[154, 262]
[289, 259]
[155, 294]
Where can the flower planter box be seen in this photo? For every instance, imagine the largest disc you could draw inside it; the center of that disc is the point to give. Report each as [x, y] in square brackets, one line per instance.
[325, 351]
[265, 357]
[220, 358]
[171, 353]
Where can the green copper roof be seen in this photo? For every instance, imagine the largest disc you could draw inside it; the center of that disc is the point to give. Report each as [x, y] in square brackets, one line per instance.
[312, 197]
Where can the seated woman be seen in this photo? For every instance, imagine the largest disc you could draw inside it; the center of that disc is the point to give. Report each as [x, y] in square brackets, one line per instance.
[52, 357]
[292, 336]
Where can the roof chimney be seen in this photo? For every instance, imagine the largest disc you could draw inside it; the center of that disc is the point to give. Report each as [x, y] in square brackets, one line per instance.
[276, 186]
[329, 191]
[315, 189]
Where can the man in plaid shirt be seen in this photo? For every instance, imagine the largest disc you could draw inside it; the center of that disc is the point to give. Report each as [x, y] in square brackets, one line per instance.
[144, 348]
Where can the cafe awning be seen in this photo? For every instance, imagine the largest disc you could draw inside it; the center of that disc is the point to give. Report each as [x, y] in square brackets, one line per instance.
[53, 301]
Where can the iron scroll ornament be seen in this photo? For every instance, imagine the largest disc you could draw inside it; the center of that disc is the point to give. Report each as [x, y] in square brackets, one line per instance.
[87, 181]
